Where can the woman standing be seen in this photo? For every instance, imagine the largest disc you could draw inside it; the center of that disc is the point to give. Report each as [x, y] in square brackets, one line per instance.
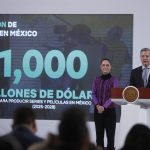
[104, 112]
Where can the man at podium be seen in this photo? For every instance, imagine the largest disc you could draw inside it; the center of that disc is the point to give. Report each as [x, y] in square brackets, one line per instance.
[140, 76]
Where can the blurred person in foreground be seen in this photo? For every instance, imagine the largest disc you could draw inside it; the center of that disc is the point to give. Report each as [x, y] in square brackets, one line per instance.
[104, 111]
[73, 133]
[23, 129]
[138, 138]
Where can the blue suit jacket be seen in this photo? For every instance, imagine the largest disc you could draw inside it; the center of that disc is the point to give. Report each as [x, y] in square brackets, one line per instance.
[23, 136]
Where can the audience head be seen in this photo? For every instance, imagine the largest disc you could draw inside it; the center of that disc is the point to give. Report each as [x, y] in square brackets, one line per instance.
[138, 138]
[72, 128]
[24, 116]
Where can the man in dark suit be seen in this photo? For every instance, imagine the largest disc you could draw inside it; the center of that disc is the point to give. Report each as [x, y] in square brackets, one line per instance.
[23, 129]
[140, 75]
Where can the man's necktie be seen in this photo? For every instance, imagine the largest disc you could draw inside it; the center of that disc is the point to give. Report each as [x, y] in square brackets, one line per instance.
[145, 72]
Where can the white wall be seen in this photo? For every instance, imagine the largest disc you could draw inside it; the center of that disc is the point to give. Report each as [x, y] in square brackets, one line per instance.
[141, 32]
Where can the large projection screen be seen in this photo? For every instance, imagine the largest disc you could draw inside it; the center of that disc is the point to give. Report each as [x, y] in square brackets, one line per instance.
[48, 62]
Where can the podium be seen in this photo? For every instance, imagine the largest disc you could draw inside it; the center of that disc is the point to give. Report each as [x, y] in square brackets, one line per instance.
[131, 113]
[143, 100]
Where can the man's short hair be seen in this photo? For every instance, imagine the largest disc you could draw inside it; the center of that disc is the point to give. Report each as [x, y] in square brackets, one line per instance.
[144, 50]
[23, 115]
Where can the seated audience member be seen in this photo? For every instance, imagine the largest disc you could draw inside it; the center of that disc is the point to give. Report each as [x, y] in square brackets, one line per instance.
[138, 138]
[23, 128]
[73, 133]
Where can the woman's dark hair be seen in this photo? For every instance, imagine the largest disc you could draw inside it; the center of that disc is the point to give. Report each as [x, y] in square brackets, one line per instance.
[105, 59]
[73, 127]
[138, 138]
